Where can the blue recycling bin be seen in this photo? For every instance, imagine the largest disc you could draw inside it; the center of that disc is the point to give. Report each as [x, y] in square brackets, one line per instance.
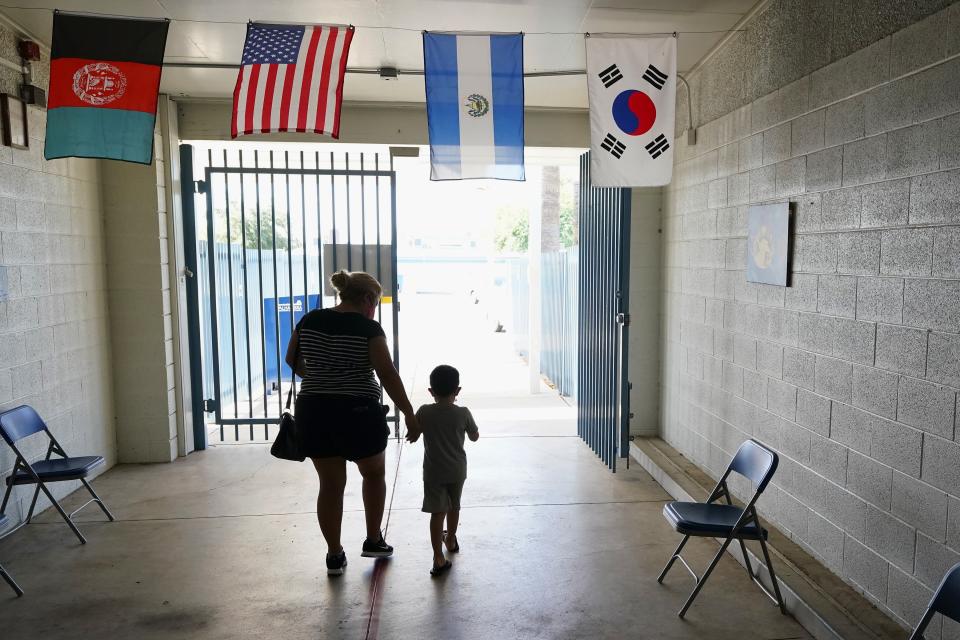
[280, 313]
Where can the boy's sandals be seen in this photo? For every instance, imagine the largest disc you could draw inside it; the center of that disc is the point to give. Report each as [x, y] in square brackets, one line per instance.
[455, 549]
[442, 569]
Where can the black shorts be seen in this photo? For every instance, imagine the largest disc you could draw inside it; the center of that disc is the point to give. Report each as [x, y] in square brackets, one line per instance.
[340, 426]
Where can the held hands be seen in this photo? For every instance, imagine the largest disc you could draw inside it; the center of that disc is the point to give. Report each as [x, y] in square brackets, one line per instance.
[413, 427]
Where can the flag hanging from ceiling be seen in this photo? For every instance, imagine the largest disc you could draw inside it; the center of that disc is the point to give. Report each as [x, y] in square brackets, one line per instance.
[632, 84]
[104, 79]
[291, 79]
[474, 85]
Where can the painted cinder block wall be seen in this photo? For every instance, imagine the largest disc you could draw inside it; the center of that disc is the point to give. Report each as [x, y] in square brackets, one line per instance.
[138, 283]
[54, 326]
[851, 112]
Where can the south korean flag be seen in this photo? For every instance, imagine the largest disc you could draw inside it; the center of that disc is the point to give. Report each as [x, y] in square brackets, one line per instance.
[632, 84]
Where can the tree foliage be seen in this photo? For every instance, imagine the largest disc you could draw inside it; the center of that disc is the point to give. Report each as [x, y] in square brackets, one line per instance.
[512, 227]
[265, 232]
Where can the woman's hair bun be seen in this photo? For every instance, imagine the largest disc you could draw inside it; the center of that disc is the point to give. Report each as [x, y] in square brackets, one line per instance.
[340, 280]
[356, 286]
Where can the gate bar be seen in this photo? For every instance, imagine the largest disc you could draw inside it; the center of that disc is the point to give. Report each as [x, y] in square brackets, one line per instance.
[291, 296]
[333, 213]
[276, 285]
[395, 286]
[211, 246]
[363, 218]
[263, 312]
[319, 233]
[233, 338]
[193, 295]
[246, 290]
[346, 164]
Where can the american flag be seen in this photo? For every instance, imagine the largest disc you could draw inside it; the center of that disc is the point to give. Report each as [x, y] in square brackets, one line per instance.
[291, 79]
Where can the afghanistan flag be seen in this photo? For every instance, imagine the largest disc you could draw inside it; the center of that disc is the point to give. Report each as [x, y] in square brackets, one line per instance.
[104, 79]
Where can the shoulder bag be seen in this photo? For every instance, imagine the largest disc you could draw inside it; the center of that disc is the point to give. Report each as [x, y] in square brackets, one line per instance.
[287, 444]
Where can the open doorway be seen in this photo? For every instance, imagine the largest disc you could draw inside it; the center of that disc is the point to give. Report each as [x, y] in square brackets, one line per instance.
[481, 275]
[488, 284]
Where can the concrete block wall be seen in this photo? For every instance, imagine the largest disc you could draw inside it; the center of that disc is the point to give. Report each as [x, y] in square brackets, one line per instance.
[644, 341]
[852, 373]
[54, 324]
[138, 278]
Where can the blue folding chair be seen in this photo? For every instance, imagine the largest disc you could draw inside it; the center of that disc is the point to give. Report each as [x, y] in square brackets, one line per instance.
[3, 572]
[945, 601]
[23, 421]
[725, 520]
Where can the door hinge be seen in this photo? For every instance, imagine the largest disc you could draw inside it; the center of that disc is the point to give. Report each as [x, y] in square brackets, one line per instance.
[200, 186]
[209, 406]
[624, 319]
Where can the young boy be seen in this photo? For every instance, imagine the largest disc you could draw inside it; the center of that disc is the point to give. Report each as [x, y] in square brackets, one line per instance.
[443, 425]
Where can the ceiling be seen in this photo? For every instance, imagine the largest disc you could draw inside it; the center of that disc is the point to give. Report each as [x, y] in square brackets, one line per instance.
[388, 34]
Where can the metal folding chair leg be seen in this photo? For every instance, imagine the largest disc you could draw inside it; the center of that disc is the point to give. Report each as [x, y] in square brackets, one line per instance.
[706, 574]
[746, 558]
[10, 581]
[6, 498]
[673, 558]
[773, 578]
[62, 513]
[33, 504]
[97, 499]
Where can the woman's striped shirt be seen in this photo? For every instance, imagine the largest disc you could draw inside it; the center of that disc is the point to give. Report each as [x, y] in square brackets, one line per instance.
[336, 348]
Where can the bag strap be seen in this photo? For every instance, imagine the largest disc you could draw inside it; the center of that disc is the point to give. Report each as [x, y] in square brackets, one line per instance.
[296, 361]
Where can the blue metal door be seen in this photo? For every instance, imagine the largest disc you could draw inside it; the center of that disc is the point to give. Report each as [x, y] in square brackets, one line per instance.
[603, 413]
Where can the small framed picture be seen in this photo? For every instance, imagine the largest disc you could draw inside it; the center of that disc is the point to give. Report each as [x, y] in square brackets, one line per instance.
[13, 112]
[768, 231]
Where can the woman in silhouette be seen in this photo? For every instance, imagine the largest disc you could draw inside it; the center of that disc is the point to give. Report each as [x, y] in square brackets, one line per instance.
[338, 411]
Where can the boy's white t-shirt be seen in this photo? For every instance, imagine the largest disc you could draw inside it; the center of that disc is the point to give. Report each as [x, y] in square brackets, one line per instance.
[444, 427]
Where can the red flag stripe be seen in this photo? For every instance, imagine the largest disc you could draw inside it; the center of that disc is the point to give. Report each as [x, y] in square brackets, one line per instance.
[308, 78]
[235, 120]
[287, 97]
[268, 97]
[322, 105]
[343, 70]
[248, 126]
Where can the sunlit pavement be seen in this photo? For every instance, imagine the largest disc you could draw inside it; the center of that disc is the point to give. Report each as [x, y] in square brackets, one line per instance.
[451, 329]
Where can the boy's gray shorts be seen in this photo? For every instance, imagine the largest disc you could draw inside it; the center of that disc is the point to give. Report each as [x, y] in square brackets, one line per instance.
[441, 497]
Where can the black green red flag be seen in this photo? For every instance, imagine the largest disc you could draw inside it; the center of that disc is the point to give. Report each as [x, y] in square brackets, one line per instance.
[104, 80]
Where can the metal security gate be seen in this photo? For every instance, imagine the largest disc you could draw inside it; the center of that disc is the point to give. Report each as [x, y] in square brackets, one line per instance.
[277, 225]
[603, 413]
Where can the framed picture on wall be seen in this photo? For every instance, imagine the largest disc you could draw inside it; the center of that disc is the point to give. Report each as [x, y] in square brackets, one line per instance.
[768, 234]
[13, 112]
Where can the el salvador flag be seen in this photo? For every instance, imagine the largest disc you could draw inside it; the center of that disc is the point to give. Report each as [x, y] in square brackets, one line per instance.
[474, 86]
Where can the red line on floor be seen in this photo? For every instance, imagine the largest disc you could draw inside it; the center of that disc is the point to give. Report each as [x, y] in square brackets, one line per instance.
[381, 564]
[376, 581]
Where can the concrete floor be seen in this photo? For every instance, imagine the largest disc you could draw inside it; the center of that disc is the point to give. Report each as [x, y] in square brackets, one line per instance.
[224, 543]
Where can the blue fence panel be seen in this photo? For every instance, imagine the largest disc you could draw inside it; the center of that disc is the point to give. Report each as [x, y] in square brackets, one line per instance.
[559, 294]
[602, 386]
[248, 369]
